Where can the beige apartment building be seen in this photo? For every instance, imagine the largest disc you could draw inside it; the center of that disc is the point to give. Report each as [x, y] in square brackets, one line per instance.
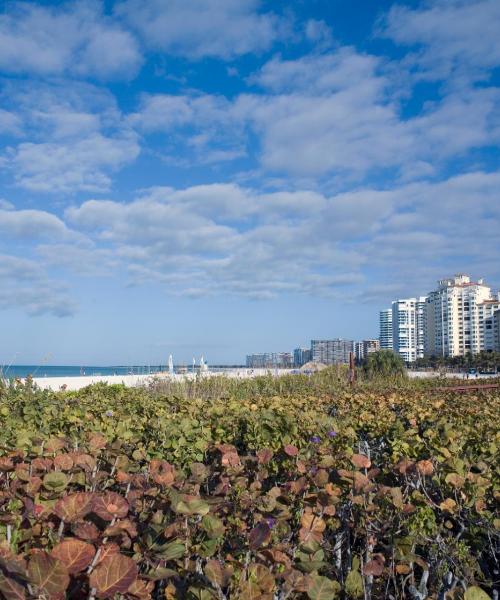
[455, 316]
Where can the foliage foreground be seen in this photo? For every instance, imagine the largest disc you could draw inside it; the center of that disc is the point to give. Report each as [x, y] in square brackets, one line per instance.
[317, 493]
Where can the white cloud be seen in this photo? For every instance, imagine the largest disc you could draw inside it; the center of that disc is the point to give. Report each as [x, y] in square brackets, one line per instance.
[73, 166]
[198, 28]
[452, 38]
[77, 137]
[10, 123]
[74, 38]
[225, 239]
[31, 224]
[24, 285]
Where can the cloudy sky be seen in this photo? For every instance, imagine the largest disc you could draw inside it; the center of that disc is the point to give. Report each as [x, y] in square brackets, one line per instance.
[233, 176]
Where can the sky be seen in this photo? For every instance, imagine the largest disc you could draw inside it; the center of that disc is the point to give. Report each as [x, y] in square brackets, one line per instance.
[224, 177]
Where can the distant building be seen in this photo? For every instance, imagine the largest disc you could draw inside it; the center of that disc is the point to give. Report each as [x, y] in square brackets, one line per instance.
[456, 315]
[385, 323]
[365, 347]
[301, 356]
[331, 352]
[408, 327]
[270, 360]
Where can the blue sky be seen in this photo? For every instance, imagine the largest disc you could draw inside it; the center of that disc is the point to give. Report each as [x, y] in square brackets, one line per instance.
[221, 177]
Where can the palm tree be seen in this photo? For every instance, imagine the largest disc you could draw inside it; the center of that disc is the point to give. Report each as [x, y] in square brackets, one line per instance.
[385, 363]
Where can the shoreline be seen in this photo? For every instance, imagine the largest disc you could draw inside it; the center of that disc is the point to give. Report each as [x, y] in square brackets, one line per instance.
[74, 383]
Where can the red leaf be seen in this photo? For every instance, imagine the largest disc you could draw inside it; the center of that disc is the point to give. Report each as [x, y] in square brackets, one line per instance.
[74, 506]
[361, 461]
[11, 589]
[291, 450]
[48, 574]
[114, 575]
[109, 506]
[259, 535]
[75, 554]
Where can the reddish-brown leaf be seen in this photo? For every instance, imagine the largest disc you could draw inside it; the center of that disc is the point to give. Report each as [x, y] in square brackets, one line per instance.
[10, 588]
[162, 472]
[259, 535]
[114, 575]
[108, 550]
[63, 462]
[141, 589]
[360, 461]
[48, 574]
[425, 467]
[6, 463]
[109, 506]
[264, 456]
[74, 507]
[86, 531]
[374, 567]
[75, 554]
[291, 450]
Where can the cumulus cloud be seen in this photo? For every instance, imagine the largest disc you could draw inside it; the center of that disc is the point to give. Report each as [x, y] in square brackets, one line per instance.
[31, 224]
[449, 38]
[223, 238]
[24, 285]
[199, 28]
[78, 137]
[72, 39]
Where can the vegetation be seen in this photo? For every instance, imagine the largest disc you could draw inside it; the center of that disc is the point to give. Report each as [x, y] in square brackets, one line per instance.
[290, 488]
[384, 363]
[489, 361]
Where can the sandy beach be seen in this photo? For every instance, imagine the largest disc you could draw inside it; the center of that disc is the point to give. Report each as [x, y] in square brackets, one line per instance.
[77, 383]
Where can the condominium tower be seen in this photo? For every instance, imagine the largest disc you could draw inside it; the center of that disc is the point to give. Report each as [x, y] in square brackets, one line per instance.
[385, 323]
[455, 316]
[408, 327]
[330, 352]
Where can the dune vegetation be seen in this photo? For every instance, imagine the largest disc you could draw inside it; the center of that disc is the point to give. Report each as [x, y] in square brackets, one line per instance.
[299, 487]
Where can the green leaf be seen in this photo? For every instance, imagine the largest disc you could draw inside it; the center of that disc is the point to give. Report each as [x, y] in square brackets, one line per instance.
[354, 584]
[171, 551]
[55, 482]
[475, 593]
[322, 588]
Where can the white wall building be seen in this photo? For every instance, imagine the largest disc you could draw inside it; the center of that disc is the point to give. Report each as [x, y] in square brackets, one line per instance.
[385, 324]
[408, 327]
[455, 314]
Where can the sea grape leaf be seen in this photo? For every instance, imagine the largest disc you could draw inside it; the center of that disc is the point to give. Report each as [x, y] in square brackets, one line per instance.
[109, 506]
[48, 574]
[291, 450]
[75, 554]
[10, 588]
[214, 572]
[354, 584]
[55, 481]
[322, 588]
[259, 535]
[191, 505]
[213, 526]
[172, 550]
[74, 506]
[114, 575]
[141, 589]
[360, 461]
[475, 593]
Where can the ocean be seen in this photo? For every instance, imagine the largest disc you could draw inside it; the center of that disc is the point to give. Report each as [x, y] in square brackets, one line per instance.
[14, 371]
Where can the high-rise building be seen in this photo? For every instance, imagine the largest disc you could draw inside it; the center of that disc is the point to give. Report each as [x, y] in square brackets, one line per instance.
[301, 356]
[385, 335]
[454, 313]
[331, 352]
[365, 347]
[408, 327]
[270, 360]
[486, 312]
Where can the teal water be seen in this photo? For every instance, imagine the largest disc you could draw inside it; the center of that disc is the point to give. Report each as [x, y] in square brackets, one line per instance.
[14, 371]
